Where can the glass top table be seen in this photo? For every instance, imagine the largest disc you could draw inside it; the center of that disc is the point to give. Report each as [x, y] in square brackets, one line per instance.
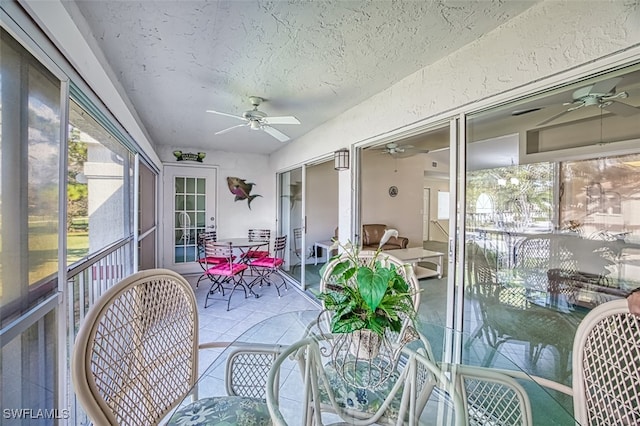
[283, 330]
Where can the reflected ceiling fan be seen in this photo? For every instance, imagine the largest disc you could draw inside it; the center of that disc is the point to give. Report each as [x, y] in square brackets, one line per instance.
[602, 94]
[258, 120]
[401, 151]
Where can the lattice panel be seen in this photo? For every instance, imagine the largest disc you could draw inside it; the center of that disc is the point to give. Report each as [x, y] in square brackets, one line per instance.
[142, 358]
[249, 373]
[612, 371]
[491, 403]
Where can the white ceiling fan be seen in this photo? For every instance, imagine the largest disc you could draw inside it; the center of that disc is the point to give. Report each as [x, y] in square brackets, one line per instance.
[401, 151]
[602, 94]
[258, 120]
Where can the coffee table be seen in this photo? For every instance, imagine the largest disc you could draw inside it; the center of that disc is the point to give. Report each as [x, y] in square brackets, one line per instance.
[414, 255]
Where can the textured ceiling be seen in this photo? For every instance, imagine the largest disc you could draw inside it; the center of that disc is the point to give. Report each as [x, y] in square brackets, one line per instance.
[313, 60]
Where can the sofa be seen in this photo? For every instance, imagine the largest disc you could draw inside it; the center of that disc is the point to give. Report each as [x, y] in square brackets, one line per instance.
[372, 234]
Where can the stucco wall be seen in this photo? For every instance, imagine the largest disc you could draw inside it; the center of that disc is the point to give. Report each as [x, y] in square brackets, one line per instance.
[549, 38]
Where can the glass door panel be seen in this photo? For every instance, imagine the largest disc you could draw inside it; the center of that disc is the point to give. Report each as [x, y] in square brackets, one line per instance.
[550, 222]
[291, 222]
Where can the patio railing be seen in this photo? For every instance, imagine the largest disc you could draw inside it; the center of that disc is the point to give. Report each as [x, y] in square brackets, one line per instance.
[86, 281]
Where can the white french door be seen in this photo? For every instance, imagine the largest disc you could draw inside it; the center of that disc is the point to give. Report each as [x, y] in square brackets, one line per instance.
[189, 201]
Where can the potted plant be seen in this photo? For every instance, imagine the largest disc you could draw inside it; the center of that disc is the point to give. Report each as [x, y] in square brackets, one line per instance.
[370, 297]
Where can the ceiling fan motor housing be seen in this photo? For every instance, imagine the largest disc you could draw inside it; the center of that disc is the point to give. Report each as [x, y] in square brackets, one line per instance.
[254, 114]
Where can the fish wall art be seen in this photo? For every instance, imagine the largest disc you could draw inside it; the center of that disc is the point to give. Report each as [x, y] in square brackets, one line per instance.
[241, 189]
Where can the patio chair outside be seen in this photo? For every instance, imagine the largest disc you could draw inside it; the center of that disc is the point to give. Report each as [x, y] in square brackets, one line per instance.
[184, 221]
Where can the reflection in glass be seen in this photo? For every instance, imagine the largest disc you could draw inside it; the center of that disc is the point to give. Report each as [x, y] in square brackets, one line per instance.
[551, 225]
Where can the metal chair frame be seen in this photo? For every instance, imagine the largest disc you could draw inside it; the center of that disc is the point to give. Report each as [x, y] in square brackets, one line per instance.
[203, 261]
[259, 235]
[226, 273]
[268, 267]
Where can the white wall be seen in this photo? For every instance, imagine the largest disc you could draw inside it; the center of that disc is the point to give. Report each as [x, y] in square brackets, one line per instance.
[402, 212]
[234, 217]
[322, 202]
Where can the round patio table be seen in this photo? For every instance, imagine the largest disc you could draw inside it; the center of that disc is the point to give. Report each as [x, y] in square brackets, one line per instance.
[244, 245]
[286, 329]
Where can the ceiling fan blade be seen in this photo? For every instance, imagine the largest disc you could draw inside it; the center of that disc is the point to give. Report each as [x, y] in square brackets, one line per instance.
[553, 117]
[225, 114]
[276, 133]
[229, 129]
[621, 108]
[281, 120]
[605, 86]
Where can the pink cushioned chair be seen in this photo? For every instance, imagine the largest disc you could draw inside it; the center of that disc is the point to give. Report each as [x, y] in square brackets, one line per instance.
[204, 261]
[259, 235]
[267, 267]
[225, 273]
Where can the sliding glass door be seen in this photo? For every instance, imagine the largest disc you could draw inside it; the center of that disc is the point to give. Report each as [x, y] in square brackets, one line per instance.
[291, 222]
[551, 228]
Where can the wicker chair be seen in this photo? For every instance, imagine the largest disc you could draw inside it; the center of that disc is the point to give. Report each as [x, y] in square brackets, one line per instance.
[136, 354]
[369, 410]
[476, 396]
[506, 315]
[606, 366]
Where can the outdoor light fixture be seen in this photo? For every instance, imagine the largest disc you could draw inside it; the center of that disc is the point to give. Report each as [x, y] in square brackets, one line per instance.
[341, 159]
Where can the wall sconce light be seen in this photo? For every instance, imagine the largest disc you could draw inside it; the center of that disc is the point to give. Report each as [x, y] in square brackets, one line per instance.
[341, 159]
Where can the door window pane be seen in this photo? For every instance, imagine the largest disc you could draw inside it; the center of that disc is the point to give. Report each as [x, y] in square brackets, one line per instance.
[190, 216]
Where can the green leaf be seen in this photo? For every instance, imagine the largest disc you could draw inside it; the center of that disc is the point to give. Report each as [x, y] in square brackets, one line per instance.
[341, 267]
[347, 325]
[372, 285]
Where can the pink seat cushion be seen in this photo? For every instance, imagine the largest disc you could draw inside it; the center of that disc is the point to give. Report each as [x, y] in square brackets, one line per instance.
[227, 269]
[212, 260]
[268, 262]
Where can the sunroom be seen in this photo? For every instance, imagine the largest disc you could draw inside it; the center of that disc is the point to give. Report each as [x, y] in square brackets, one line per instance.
[518, 153]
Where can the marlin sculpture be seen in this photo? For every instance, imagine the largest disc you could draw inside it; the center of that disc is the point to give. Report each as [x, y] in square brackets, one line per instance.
[241, 189]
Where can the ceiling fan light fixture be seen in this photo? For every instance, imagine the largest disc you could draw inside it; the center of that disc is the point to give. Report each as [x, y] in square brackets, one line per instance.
[254, 124]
